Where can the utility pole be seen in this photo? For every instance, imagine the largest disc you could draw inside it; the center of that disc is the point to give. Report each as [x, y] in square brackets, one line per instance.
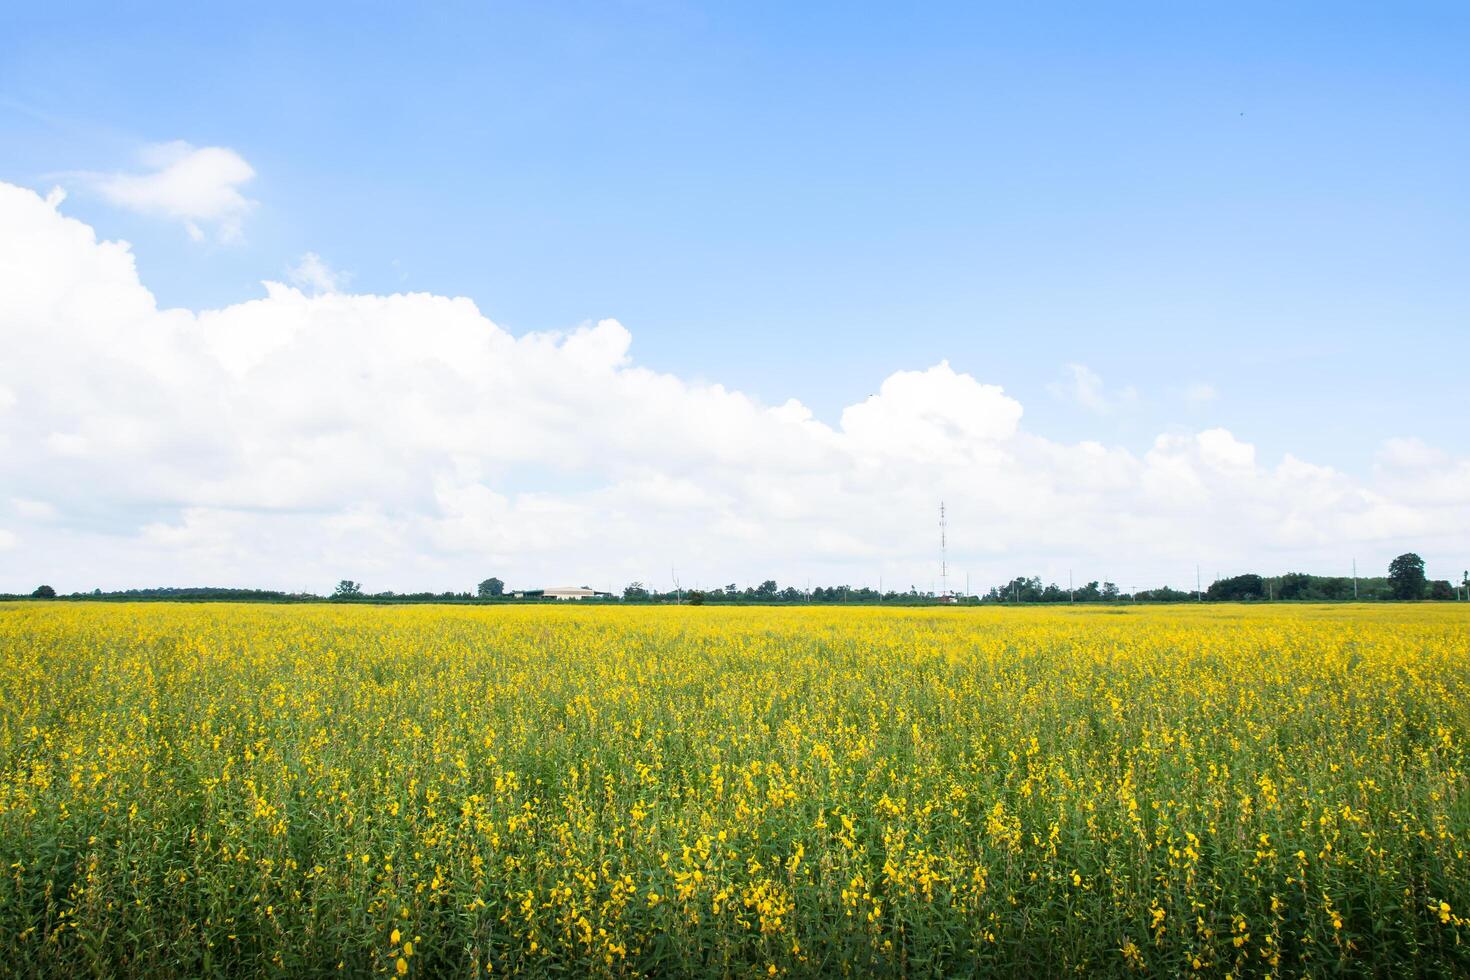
[1071, 592]
[1198, 591]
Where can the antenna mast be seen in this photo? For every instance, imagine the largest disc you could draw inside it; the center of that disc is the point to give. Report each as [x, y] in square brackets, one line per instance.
[943, 551]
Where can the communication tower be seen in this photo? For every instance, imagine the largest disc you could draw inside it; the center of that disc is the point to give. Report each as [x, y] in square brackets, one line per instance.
[943, 552]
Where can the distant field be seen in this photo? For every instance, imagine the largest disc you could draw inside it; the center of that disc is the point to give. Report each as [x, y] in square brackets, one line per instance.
[240, 790]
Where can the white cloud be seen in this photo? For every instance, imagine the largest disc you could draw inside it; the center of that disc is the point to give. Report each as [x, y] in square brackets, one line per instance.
[408, 442]
[1411, 454]
[67, 444]
[35, 510]
[933, 414]
[315, 276]
[197, 186]
[1084, 387]
[1422, 474]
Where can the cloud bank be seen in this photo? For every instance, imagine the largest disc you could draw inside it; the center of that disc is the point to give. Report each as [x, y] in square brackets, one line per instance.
[409, 442]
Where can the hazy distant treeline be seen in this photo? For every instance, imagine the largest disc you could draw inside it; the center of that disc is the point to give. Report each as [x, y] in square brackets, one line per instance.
[1405, 581]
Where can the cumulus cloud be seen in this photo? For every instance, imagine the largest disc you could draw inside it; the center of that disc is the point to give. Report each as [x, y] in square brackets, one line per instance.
[313, 275]
[407, 441]
[198, 186]
[1084, 388]
[1422, 474]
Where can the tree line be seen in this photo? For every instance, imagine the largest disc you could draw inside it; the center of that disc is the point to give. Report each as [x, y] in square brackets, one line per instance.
[769, 592]
[1405, 580]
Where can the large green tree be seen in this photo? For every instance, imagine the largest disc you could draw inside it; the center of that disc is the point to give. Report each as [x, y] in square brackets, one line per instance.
[1237, 588]
[1406, 577]
[491, 587]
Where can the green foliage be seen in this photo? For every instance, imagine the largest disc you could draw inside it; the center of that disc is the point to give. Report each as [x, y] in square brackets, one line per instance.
[44, 592]
[490, 588]
[1164, 594]
[1239, 588]
[260, 791]
[1406, 576]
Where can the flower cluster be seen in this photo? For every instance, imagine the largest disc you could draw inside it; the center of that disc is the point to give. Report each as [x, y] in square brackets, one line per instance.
[191, 790]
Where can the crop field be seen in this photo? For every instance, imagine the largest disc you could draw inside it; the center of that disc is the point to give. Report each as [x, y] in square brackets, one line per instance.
[354, 790]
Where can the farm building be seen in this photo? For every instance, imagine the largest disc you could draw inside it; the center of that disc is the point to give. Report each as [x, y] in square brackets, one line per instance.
[562, 592]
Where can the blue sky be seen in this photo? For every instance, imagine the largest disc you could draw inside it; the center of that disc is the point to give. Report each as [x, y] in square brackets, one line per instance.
[1248, 216]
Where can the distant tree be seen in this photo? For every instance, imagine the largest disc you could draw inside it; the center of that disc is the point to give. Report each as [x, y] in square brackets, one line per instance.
[1020, 589]
[1238, 588]
[696, 597]
[347, 589]
[636, 592]
[1109, 591]
[1406, 576]
[1163, 594]
[491, 587]
[767, 590]
[1441, 590]
[44, 592]
[1296, 585]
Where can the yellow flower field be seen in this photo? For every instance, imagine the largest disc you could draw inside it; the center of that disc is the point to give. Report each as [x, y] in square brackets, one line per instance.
[241, 790]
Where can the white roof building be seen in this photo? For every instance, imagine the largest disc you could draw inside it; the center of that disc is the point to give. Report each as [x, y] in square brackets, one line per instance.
[572, 592]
